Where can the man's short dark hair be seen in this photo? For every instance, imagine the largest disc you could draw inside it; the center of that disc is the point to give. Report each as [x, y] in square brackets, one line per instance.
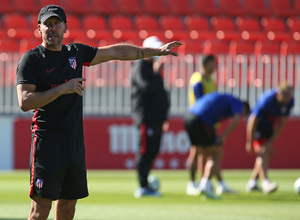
[247, 107]
[207, 59]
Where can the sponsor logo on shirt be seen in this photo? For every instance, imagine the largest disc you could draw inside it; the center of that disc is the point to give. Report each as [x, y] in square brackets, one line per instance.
[73, 63]
[49, 71]
[39, 183]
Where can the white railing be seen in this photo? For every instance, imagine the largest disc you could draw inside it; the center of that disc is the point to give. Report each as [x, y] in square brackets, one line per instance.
[108, 85]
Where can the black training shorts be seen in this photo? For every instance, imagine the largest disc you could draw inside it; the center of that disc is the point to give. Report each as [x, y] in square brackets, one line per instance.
[58, 169]
[200, 133]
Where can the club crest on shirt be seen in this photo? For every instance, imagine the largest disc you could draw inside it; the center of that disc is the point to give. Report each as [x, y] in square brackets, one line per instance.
[39, 183]
[73, 63]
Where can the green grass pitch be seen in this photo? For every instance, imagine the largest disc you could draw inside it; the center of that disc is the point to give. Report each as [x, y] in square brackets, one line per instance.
[111, 197]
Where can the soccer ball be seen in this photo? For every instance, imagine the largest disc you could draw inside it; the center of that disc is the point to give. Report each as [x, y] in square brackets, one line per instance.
[153, 183]
[297, 186]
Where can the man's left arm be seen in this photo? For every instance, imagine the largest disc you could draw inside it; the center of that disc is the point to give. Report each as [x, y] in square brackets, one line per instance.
[132, 52]
[278, 129]
[230, 127]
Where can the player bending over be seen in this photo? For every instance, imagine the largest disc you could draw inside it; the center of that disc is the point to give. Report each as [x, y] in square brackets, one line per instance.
[271, 109]
[200, 84]
[49, 81]
[200, 125]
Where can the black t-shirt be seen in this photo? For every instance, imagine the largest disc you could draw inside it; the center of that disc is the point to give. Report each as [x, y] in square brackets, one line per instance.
[62, 118]
[149, 98]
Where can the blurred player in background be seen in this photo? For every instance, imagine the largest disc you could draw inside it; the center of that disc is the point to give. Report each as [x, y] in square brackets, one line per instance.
[271, 109]
[200, 125]
[49, 81]
[150, 104]
[200, 84]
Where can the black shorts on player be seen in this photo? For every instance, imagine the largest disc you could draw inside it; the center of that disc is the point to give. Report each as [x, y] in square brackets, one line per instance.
[59, 170]
[200, 133]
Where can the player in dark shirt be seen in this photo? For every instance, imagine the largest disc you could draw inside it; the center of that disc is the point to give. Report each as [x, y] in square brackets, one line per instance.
[264, 124]
[49, 81]
[150, 104]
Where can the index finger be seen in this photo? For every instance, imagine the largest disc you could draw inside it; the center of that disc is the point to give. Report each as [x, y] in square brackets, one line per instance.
[176, 44]
[80, 79]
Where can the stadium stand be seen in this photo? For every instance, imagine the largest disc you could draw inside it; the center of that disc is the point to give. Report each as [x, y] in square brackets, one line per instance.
[122, 28]
[256, 8]
[199, 28]
[205, 7]
[232, 7]
[129, 6]
[225, 28]
[181, 7]
[104, 7]
[148, 26]
[250, 28]
[215, 47]
[156, 7]
[96, 27]
[173, 27]
[8, 45]
[241, 47]
[193, 21]
[289, 48]
[280, 8]
[26, 6]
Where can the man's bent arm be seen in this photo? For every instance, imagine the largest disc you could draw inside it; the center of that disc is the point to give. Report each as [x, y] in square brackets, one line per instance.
[231, 126]
[132, 52]
[30, 99]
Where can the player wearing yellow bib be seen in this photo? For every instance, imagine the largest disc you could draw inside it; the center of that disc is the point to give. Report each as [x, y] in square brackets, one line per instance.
[199, 85]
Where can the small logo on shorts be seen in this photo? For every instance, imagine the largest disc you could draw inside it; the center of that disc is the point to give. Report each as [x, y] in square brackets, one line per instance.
[39, 183]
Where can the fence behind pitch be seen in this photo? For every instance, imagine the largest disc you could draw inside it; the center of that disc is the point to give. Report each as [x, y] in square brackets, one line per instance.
[108, 85]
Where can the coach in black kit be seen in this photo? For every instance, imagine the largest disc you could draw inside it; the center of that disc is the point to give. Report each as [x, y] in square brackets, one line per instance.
[150, 104]
[49, 81]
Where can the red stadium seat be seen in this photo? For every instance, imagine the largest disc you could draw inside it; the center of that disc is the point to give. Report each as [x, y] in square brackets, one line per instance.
[225, 28]
[192, 47]
[6, 6]
[241, 47]
[199, 28]
[157, 7]
[27, 6]
[276, 29]
[250, 28]
[74, 28]
[77, 6]
[50, 2]
[206, 7]
[17, 26]
[148, 26]
[180, 7]
[262, 48]
[256, 7]
[9, 45]
[173, 27]
[215, 47]
[294, 26]
[104, 7]
[232, 7]
[28, 44]
[296, 6]
[290, 48]
[96, 27]
[122, 28]
[129, 6]
[280, 8]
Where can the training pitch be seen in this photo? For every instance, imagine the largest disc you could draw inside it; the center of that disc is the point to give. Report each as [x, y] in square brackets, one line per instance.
[111, 198]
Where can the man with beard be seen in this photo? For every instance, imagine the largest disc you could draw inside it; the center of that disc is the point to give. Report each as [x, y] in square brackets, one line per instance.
[49, 81]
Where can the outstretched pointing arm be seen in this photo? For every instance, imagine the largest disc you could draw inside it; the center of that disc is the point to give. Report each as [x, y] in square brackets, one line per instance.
[132, 52]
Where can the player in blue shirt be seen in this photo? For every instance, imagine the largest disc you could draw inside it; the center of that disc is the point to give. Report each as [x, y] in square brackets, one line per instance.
[200, 125]
[264, 124]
